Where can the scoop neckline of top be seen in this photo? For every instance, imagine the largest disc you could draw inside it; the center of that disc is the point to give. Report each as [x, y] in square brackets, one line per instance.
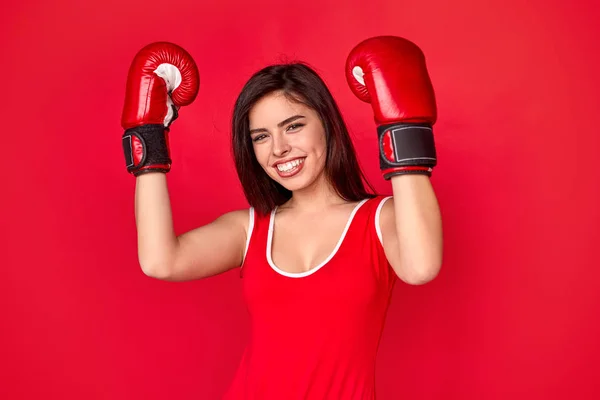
[321, 264]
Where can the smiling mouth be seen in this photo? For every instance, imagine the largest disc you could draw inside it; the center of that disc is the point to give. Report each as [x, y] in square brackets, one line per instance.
[290, 168]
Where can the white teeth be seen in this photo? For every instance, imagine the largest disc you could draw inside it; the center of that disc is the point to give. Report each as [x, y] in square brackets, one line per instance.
[288, 166]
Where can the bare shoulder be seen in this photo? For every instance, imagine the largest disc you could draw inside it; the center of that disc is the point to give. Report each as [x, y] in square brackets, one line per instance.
[237, 218]
[234, 223]
[387, 221]
[212, 248]
[387, 208]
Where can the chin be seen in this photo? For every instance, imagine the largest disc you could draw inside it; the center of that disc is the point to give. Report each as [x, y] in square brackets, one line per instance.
[299, 182]
[293, 185]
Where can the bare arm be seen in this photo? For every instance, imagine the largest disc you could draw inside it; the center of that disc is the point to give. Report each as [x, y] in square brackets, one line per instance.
[411, 227]
[205, 251]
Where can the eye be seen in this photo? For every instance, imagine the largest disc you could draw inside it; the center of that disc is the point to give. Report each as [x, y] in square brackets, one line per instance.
[258, 138]
[294, 127]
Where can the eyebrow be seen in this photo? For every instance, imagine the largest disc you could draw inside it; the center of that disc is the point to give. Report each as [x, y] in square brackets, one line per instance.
[280, 125]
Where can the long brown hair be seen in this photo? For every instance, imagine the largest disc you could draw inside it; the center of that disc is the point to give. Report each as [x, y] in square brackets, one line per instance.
[299, 83]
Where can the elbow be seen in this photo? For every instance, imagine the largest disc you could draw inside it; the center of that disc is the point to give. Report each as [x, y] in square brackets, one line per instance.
[420, 274]
[420, 268]
[417, 280]
[159, 271]
[158, 265]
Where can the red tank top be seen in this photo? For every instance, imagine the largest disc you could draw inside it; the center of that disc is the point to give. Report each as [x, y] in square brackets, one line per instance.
[315, 335]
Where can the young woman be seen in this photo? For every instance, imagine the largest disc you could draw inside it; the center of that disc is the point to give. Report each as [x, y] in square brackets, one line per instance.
[318, 253]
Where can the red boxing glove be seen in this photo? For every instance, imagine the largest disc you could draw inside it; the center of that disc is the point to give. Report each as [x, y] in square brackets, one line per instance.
[390, 73]
[162, 78]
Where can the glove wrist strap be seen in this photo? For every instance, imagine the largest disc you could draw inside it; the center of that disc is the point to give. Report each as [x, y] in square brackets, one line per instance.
[146, 149]
[406, 149]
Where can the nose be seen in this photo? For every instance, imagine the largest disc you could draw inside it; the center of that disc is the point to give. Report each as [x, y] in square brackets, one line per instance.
[281, 147]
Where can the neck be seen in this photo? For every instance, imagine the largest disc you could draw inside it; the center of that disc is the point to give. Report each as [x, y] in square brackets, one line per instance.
[321, 195]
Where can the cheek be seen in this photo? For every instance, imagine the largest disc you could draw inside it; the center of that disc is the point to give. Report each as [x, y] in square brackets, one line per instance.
[321, 144]
[315, 141]
[262, 155]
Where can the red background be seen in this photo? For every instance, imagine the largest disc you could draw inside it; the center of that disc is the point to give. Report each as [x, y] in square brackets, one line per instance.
[514, 311]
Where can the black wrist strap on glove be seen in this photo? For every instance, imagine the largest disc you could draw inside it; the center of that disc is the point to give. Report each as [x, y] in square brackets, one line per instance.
[406, 149]
[146, 149]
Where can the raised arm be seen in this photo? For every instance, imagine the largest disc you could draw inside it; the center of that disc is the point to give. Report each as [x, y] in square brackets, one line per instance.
[162, 78]
[390, 73]
[205, 251]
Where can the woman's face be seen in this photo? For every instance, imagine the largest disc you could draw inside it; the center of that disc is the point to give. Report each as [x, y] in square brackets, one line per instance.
[288, 140]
